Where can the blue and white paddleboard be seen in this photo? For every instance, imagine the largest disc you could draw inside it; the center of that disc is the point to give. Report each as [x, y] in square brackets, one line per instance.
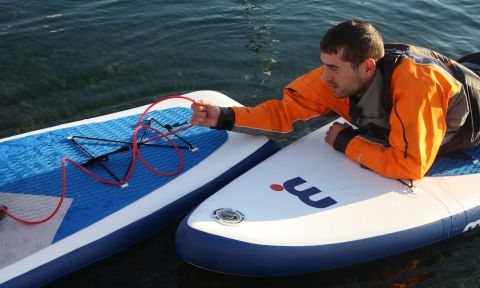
[96, 219]
[308, 208]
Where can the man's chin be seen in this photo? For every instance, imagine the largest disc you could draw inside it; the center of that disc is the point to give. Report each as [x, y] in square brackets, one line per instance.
[339, 95]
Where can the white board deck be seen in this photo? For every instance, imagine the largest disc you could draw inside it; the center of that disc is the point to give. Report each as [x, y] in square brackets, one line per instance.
[339, 214]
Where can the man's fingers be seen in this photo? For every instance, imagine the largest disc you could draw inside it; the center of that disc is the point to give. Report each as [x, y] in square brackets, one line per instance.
[199, 116]
[198, 107]
[204, 113]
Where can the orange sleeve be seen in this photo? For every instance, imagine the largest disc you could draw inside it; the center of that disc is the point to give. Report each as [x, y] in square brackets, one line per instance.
[305, 99]
[417, 120]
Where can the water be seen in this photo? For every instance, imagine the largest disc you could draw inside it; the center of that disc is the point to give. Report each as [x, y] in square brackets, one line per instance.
[67, 60]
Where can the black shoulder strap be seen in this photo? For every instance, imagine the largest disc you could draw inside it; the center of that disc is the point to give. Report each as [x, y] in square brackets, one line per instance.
[386, 65]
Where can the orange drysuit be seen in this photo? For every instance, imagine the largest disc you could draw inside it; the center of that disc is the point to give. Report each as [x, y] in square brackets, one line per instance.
[421, 92]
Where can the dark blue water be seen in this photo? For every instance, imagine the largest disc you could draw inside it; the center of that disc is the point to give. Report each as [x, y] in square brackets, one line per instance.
[67, 60]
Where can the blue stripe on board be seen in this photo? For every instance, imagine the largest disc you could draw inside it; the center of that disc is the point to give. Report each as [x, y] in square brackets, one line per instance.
[226, 255]
[32, 165]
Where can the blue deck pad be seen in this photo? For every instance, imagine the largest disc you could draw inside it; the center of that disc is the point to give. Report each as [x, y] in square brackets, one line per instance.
[459, 163]
[32, 165]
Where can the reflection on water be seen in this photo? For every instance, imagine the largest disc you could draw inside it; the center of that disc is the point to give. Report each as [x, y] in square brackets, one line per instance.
[262, 40]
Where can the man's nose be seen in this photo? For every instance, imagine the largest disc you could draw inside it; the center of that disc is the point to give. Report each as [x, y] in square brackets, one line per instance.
[325, 75]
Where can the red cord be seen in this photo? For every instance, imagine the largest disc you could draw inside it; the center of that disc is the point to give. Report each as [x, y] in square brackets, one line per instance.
[136, 152]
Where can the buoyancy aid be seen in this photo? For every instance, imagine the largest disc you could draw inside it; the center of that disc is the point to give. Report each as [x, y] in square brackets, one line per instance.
[463, 116]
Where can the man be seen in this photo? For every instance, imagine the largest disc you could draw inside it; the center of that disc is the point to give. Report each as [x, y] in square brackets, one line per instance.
[407, 103]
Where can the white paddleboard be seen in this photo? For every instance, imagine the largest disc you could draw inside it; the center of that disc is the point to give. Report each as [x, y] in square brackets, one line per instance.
[95, 219]
[308, 208]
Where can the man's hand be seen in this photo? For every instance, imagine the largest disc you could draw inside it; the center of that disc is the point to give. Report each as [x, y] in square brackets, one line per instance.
[333, 132]
[204, 113]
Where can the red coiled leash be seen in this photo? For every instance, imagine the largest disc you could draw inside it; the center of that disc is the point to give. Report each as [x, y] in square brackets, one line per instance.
[135, 153]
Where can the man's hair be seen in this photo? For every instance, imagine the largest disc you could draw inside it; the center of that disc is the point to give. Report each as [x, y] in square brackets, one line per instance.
[360, 40]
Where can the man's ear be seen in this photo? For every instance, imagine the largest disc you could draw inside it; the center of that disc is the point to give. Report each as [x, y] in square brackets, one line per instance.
[370, 66]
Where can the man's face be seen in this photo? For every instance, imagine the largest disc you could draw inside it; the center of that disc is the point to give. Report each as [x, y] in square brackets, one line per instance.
[342, 77]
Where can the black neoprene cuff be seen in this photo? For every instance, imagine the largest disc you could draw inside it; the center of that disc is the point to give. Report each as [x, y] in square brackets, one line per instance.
[343, 138]
[226, 119]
